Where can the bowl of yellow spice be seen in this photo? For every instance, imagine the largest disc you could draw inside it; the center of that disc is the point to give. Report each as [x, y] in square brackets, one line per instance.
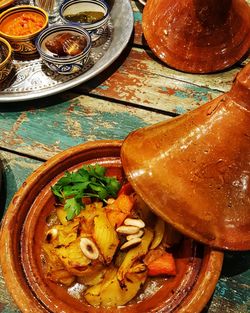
[92, 15]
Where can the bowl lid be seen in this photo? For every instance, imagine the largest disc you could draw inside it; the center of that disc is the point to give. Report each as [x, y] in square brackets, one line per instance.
[188, 34]
[194, 170]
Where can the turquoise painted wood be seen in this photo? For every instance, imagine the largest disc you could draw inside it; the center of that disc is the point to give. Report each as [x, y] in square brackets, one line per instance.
[42, 132]
[142, 80]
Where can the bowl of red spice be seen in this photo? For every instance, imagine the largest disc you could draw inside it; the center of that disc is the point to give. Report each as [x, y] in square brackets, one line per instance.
[20, 25]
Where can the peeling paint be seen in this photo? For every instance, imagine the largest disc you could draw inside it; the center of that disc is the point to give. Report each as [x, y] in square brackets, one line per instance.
[180, 110]
[103, 87]
[137, 16]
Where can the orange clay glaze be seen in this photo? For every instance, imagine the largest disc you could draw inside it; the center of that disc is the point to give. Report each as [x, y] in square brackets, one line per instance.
[21, 24]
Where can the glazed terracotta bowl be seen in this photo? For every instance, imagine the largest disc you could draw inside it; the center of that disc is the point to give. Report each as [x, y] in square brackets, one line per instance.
[197, 36]
[63, 64]
[23, 40]
[73, 7]
[6, 64]
[198, 266]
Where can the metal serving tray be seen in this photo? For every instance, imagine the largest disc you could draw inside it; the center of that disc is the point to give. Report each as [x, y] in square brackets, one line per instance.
[31, 79]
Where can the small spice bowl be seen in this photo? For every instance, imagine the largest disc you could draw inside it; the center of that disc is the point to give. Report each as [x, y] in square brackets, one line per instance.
[92, 15]
[64, 49]
[20, 25]
[6, 64]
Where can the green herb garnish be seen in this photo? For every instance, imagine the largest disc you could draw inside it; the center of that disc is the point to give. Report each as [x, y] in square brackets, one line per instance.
[88, 181]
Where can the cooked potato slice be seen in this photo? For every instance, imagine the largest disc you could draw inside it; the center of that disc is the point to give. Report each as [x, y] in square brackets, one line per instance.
[62, 277]
[66, 233]
[91, 210]
[111, 293]
[72, 257]
[62, 215]
[51, 261]
[93, 294]
[94, 277]
[134, 254]
[87, 216]
[158, 233]
[105, 237]
[54, 267]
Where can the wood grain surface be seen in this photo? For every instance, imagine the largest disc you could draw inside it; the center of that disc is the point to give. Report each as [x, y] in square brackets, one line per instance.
[137, 90]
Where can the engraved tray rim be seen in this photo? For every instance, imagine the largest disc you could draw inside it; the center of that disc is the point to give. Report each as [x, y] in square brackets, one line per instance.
[123, 22]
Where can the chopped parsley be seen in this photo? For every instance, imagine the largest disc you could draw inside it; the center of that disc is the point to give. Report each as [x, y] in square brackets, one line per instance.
[88, 181]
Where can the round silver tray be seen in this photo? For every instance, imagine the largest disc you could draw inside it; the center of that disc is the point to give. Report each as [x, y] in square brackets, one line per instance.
[31, 79]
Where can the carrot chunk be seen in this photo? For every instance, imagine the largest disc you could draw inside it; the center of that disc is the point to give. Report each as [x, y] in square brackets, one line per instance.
[119, 209]
[164, 265]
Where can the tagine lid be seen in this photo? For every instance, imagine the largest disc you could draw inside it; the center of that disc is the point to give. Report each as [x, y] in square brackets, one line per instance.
[197, 36]
[194, 170]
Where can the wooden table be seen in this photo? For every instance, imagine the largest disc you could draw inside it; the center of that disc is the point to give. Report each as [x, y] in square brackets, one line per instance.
[137, 90]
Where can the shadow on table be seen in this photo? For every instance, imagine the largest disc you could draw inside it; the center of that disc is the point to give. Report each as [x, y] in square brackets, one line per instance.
[93, 83]
[31, 104]
[4, 197]
[235, 263]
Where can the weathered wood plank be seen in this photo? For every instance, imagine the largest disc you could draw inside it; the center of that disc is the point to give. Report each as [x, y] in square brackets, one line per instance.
[138, 33]
[141, 77]
[232, 291]
[48, 130]
[143, 81]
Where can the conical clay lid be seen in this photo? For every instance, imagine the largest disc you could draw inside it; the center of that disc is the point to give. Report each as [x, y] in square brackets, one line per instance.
[197, 36]
[194, 170]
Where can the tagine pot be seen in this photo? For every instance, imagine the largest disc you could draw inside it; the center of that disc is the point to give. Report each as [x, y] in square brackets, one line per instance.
[194, 170]
[197, 36]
